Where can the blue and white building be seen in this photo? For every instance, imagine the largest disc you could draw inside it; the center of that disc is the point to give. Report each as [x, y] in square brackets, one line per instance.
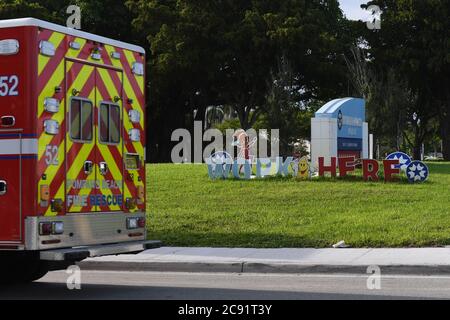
[340, 129]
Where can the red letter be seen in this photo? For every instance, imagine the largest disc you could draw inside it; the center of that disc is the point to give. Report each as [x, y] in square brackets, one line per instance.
[389, 170]
[346, 165]
[370, 170]
[323, 168]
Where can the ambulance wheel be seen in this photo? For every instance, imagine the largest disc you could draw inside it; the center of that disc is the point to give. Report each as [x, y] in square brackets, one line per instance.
[21, 267]
[34, 275]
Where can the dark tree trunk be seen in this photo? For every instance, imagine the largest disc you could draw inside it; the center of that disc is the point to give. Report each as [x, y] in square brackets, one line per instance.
[417, 152]
[446, 147]
[418, 141]
[445, 132]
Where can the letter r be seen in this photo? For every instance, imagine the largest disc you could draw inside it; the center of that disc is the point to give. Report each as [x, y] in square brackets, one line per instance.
[370, 170]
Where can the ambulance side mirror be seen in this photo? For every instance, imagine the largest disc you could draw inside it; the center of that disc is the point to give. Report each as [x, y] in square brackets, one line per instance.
[3, 187]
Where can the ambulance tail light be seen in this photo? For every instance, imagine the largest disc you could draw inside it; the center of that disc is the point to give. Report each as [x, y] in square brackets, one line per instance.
[132, 223]
[57, 228]
[141, 222]
[135, 223]
[45, 228]
[8, 121]
[51, 228]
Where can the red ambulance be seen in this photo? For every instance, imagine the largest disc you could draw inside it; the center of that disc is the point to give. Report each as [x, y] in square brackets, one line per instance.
[72, 148]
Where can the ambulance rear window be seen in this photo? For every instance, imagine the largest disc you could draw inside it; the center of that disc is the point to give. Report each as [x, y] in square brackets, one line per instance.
[81, 120]
[109, 123]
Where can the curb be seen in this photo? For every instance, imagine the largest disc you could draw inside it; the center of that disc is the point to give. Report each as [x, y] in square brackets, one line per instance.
[265, 268]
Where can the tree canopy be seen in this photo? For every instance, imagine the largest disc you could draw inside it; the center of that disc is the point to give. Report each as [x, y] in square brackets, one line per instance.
[274, 62]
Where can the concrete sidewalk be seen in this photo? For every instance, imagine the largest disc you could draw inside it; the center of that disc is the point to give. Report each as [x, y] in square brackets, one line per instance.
[169, 259]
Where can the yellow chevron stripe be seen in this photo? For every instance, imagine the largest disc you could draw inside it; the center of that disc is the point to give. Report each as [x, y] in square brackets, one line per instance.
[82, 77]
[76, 167]
[126, 83]
[82, 156]
[79, 82]
[59, 195]
[72, 53]
[56, 39]
[136, 105]
[51, 172]
[116, 172]
[127, 124]
[105, 76]
[57, 77]
[137, 183]
[139, 79]
[49, 90]
[130, 93]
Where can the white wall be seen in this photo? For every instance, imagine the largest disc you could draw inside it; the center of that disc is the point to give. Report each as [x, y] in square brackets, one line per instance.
[323, 140]
[365, 151]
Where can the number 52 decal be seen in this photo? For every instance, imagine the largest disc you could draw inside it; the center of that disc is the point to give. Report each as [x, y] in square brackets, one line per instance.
[8, 86]
[51, 155]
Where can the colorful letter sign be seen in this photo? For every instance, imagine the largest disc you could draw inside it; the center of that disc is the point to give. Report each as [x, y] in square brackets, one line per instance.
[221, 166]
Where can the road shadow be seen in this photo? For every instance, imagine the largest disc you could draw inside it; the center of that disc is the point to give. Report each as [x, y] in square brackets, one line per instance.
[58, 291]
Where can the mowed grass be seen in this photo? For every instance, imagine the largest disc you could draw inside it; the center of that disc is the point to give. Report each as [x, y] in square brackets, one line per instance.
[186, 208]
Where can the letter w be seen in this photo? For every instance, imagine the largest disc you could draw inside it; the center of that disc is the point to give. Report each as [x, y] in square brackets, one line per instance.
[219, 171]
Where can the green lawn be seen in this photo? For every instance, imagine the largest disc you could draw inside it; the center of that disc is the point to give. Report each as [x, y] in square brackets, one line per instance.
[186, 208]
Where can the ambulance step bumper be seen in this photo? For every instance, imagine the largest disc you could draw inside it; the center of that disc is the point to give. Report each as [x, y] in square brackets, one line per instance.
[80, 253]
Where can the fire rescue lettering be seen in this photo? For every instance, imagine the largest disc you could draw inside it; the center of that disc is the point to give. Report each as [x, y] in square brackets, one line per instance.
[94, 200]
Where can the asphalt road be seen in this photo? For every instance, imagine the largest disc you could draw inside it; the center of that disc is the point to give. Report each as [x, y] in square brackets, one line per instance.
[153, 285]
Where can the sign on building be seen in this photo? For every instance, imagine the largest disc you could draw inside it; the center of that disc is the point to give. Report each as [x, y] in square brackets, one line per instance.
[339, 129]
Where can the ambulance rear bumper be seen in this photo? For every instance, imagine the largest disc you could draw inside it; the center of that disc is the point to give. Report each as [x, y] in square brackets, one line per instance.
[83, 230]
[78, 254]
